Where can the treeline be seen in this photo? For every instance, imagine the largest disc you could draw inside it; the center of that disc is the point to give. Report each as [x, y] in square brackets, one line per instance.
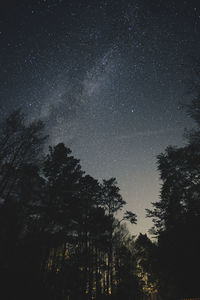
[59, 235]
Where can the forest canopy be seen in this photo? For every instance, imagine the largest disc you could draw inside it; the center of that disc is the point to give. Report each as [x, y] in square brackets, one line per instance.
[59, 231]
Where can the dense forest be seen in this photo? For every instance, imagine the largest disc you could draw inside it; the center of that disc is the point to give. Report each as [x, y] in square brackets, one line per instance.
[59, 234]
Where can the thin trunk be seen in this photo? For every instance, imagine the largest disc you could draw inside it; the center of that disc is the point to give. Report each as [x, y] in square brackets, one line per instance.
[63, 255]
[90, 271]
[108, 275]
[54, 260]
[111, 271]
[104, 277]
[96, 272]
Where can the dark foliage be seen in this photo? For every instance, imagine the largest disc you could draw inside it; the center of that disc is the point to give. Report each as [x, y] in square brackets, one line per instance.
[176, 217]
[59, 237]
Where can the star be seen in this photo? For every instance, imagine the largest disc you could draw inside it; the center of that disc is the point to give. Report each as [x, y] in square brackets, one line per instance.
[103, 78]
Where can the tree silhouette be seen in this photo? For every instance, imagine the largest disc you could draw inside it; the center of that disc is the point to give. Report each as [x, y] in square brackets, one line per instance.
[176, 216]
[60, 238]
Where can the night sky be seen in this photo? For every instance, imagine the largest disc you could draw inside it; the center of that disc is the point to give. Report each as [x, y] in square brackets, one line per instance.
[108, 77]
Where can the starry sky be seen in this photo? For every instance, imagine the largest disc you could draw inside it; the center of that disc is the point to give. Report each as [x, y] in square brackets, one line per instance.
[108, 77]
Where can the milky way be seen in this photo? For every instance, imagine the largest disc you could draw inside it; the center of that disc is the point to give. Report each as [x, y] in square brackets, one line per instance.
[107, 77]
